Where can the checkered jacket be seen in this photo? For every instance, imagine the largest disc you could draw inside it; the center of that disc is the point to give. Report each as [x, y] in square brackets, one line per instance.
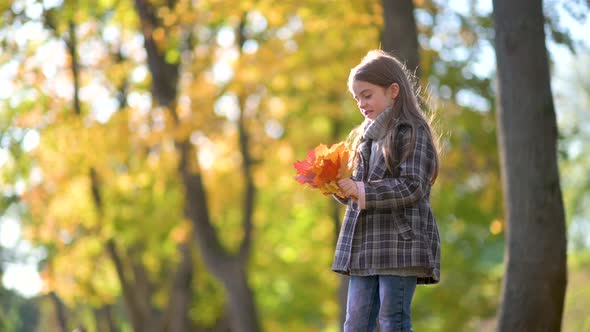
[397, 228]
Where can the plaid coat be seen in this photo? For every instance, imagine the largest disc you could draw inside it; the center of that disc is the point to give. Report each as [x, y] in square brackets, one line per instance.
[397, 228]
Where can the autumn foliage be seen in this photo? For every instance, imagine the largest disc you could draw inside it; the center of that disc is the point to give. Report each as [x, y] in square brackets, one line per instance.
[323, 167]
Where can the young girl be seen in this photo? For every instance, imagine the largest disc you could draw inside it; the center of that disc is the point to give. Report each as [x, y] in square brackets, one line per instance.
[389, 240]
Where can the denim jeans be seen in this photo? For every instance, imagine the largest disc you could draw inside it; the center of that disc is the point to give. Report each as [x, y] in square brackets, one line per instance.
[388, 298]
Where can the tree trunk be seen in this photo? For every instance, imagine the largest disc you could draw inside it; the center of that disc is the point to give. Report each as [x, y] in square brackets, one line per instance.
[241, 301]
[72, 45]
[139, 318]
[103, 317]
[137, 289]
[399, 35]
[534, 284]
[60, 312]
[229, 269]
[177, 318]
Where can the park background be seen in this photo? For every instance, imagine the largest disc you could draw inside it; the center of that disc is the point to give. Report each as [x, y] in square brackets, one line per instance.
[147, 149]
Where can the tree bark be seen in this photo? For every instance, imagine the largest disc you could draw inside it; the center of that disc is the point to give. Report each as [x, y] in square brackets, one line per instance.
[241, 301]
[164, 74]
[400, 35]
[72, 45]
[534, 284]
[60, 312]
[177, 317]
[228, 269]
[139, 318]
[103, 317]
[137, 288]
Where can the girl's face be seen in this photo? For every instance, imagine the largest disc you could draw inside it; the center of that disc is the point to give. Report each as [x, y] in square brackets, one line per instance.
[373, 99]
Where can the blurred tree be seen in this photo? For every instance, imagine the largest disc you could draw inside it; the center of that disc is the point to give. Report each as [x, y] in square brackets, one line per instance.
[290, 66]
[94, 187]
[60, 313]
[17, 314]
[399, 35]
[229, 268]
[534, 283]
[135, 285]
[102, 192]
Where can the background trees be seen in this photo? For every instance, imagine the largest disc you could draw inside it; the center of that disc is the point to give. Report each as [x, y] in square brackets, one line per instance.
[533, 289]
[147, 150]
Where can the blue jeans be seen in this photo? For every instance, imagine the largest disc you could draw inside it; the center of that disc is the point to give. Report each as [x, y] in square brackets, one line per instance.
[383, 296]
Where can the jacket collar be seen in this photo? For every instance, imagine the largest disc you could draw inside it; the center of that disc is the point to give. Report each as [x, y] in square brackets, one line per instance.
[377, 128]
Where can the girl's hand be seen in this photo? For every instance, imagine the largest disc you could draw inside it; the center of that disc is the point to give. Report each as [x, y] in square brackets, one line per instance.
[348, 188]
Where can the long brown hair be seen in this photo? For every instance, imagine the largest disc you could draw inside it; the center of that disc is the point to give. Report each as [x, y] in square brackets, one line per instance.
[383, 69]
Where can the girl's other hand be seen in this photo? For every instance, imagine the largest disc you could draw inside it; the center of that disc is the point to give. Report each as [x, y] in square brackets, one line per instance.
[348, 188]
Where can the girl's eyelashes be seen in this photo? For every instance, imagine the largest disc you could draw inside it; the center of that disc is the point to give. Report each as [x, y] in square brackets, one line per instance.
[358, 99]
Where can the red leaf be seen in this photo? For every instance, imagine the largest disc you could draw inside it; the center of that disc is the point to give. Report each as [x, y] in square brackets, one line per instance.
[305, 166]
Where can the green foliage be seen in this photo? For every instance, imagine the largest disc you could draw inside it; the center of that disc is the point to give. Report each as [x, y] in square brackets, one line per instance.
[17, 314]
[577, 300]
[288, 76]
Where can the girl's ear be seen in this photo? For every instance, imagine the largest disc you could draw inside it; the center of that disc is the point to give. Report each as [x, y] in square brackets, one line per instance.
[394, 90]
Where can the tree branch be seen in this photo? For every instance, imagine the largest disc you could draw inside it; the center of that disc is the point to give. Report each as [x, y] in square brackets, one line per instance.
[60, 314]
[249, 189]
[177, 318]
[72, 45]
[137, 318]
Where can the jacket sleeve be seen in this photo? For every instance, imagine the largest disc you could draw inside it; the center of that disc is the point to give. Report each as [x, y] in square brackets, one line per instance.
[414, 179]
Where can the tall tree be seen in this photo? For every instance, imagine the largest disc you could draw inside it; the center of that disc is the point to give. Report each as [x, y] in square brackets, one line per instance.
[533, 288]
[230, 269]
[137, 289]
[400, 35]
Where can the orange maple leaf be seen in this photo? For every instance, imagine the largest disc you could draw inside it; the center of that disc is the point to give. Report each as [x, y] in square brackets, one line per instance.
[323, 167]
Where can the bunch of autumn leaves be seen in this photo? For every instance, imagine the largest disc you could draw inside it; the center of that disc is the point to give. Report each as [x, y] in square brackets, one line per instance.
[323, 167]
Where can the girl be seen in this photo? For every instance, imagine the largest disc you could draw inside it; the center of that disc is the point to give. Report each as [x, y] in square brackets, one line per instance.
[389, 240]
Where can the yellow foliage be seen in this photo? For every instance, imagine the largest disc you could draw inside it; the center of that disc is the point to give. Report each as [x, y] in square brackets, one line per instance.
[295, 78]
[497, 226]
[158, 35]
[181, 233]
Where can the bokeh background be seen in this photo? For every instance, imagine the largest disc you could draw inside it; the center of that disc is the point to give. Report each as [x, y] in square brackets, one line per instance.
[147, 149]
